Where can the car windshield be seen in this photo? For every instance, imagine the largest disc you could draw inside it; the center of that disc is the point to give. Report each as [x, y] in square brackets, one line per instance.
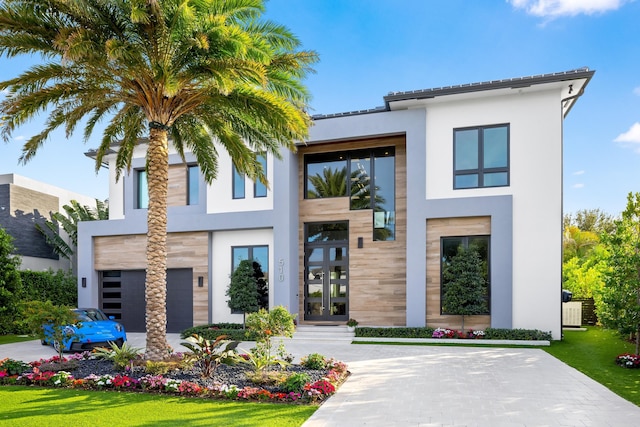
[91, 315]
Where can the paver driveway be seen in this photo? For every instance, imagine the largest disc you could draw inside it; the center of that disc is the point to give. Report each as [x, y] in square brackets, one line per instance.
[444, 386]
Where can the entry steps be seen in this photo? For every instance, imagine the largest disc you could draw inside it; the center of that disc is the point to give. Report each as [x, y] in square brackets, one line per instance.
[323, 333]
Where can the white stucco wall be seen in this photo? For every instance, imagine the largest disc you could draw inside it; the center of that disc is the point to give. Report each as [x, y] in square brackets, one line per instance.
[221, 243]
[535, 183]
[220, 194]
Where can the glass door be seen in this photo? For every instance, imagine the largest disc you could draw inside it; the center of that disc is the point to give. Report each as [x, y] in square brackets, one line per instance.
[326, 272]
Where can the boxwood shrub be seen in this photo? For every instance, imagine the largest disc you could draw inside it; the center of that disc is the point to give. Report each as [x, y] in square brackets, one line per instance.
[427, 332]
[233, 331]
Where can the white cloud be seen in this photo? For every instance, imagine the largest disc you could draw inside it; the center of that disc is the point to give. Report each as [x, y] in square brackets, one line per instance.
[556, 8]
[577, 186]
[19, 138]
[578, 173]
[632, 135]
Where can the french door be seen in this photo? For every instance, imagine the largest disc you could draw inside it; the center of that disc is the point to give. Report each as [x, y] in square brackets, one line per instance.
[326, 271]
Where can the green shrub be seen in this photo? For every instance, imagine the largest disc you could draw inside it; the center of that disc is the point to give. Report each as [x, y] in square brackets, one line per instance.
[314, 361]
[208, 355]
[10, 284]
[60, 287]
[516, 334]
[14, 367]
[35, 314]
[369, 332]
[233, 331]
[296, 382]
[120, 356]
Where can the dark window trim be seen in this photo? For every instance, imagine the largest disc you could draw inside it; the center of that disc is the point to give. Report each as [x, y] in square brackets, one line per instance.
[257, 183]
[234, 176]
[137, 189]
[465, 242]
[250, 249]
[481, 171]
[189, 168]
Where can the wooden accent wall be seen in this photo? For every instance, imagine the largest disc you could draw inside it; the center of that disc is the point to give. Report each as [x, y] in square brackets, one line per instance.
[177, 190]
[186, 250]
[437, 228]
[377, 272]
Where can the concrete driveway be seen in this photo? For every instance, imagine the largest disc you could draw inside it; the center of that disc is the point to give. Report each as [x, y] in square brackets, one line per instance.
[442, 386]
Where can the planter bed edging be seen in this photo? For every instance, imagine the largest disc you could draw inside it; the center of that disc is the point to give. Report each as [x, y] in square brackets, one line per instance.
[454, 341]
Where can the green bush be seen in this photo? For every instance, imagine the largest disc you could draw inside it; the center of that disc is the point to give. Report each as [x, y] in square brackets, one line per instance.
[314, 361]
[233, 331]
[296, 382]
[59, 286]
[426, 332]
[10, 283]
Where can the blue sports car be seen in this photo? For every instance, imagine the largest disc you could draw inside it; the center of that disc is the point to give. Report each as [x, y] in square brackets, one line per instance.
[94, 329]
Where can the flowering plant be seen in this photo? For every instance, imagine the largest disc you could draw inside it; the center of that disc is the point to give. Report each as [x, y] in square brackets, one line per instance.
[627, 360]
[61, 379]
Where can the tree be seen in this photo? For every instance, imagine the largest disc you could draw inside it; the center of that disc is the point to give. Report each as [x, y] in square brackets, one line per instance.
[75, 213]
[620, 295]
[465, 288]
[50, 322]
[209, 74]
[593, 220]
[243, 289]
[10, 283]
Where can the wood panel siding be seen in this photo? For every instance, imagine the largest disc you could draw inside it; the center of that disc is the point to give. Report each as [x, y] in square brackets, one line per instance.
[185, 250]
[437, 228]
[377, 271]
[178, 187]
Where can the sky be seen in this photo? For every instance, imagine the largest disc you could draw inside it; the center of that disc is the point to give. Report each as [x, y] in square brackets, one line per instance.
[369, 48]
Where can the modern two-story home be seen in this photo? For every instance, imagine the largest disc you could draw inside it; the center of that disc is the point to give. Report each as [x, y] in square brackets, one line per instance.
[361, 220]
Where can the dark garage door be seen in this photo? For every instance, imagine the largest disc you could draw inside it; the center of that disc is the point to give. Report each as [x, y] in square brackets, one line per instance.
[179, 299]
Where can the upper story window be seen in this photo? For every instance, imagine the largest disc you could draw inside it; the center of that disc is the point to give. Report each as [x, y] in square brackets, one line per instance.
[142, 189]
[367, 176]
[259, 189]
[481, 156]
[193, 185]
[238, 184]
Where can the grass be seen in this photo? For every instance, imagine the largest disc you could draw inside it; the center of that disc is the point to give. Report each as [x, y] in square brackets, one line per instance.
[8, 339]
[33, 406]
[593, 353]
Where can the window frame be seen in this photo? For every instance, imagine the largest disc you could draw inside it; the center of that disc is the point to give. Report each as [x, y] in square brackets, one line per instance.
[465, 243]
[250, 249]
[190, 168]
[237, 177]
[257, 185]
[141, 188]
[481, 171]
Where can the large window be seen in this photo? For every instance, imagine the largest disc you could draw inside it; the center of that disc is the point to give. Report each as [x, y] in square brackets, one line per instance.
[142, 189]
[449, 249]
[193, 187]
[481, 157]
[366, 176]
[260, 255]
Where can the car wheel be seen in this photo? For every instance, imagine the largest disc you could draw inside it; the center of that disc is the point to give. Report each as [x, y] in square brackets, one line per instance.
[43, 342]
[120, 342]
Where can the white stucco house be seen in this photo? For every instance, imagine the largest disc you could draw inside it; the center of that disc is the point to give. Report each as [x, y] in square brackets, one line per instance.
[360, 221]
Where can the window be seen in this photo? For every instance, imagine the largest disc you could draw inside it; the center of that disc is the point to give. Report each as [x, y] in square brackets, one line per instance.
[481, 157]
[260, 255]
[142, 189]
[449, 249]
[259, 189]
[238, 184]
[367, 176]
[193, 185]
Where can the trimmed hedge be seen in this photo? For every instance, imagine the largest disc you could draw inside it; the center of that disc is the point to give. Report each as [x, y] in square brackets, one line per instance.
[426, 332]
[233, 331]
[60, 288]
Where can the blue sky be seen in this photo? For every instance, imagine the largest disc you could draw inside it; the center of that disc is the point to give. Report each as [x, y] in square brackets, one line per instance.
[369, 48]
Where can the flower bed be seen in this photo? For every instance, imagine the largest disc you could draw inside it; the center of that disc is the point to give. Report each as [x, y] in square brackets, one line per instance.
[627, 360]
[228, 382]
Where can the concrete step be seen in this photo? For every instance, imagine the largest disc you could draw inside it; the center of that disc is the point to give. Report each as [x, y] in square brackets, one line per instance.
[323, 333]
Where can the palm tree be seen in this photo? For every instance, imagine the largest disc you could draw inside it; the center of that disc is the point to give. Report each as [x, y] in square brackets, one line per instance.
[209, 74]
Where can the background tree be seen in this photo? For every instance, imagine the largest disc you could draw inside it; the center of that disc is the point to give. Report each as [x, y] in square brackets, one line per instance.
[211, 74]
[621, 292]
[243, 290]
[593, 220]
[10, 283]
[465, 288]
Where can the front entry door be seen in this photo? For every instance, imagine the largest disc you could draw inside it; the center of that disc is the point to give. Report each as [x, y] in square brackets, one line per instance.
[326, 272]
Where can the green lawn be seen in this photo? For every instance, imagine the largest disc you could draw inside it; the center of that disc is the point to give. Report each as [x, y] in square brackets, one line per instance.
[8, 339]
[30, 406]
[593, 353]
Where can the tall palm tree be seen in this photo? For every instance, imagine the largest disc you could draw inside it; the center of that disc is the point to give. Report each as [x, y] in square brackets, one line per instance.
[209, 74]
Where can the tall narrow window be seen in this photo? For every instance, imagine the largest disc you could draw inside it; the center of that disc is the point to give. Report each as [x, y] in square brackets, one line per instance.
[259, 189]
[260, 257]
[142, 189]
[238, 184]
[193, 184]
[384, 207]
[481, 157]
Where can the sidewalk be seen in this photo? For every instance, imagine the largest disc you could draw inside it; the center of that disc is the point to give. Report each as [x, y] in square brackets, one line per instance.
[429, 386]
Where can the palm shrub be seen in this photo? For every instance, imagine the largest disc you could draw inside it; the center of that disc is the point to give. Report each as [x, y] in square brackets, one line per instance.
[120, 356]
[208, 355]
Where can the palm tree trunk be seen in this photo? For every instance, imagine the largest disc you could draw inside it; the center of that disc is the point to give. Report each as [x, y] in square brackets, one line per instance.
[156, 280]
